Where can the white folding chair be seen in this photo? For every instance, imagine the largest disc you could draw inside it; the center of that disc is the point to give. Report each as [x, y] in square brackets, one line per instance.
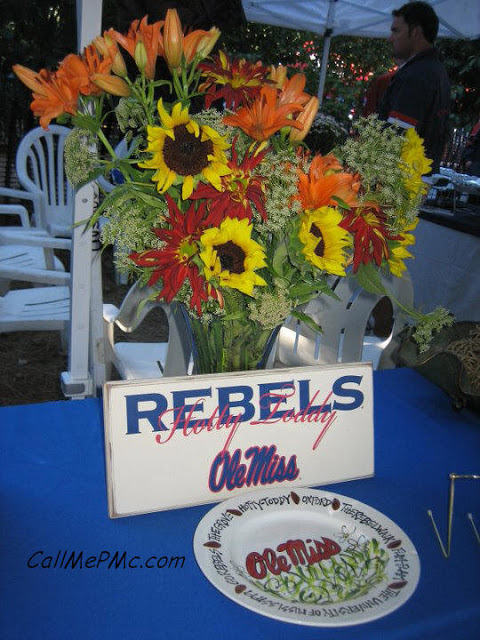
[144, 360]
[344, 324]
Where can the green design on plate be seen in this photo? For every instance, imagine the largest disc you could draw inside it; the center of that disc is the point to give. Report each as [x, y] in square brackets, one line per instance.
[349, 574]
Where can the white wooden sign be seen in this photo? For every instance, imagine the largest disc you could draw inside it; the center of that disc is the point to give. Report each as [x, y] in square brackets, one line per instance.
[177, 442]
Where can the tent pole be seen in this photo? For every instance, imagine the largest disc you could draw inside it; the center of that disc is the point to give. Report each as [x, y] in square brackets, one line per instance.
[326, 49]
[323, 68]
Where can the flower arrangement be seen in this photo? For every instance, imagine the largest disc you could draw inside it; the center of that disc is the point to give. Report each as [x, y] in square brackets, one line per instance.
[218, 203]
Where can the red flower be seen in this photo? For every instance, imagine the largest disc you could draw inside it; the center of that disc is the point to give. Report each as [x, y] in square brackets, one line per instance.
[239, 190]
[239, 81]
[174, 263]
[367, 225]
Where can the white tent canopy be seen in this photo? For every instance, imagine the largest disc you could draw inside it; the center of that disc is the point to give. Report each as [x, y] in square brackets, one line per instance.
[368, 18]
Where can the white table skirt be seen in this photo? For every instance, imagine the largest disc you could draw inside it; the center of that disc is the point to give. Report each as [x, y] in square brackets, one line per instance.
[446, 270]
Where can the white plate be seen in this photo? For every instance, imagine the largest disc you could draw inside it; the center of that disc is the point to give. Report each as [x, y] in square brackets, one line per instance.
[307, 556]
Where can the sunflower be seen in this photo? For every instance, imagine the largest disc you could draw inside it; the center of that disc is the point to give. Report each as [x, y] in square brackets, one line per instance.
[232, 257]
[183, 151]
[324, 241]
[399, 251]
[414, 163]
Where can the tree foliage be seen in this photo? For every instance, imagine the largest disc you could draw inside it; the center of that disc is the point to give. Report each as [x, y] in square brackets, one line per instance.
[39, 33]
[353, 62]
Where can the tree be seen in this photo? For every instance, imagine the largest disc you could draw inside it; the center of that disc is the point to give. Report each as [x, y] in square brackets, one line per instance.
[39, 33]
[35, 33]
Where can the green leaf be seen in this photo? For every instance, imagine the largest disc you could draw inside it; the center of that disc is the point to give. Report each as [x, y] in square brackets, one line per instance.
[369, 278]
[279, 258]
[341, 203]
[86, 122]
[308, 320]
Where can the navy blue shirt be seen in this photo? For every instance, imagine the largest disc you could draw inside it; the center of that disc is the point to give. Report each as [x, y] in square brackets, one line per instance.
[419, 96]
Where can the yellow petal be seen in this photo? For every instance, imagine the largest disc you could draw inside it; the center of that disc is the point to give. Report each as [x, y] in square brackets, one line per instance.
[213, 178]
[187, 187]
[193, 127]
[169, 180]
[165, 117]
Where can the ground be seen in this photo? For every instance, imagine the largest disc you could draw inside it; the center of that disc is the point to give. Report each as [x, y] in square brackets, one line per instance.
[32, 361]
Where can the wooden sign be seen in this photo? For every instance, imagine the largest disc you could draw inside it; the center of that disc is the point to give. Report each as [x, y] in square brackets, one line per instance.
[177, 442]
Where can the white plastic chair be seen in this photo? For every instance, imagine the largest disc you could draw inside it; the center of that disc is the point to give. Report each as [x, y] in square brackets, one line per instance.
[37, 308]
[40, 171]
[344, 323]
[23, 256]
[145, 360]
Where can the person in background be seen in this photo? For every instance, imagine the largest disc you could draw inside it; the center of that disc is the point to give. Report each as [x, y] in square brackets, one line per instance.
[471, 153]
[419, 92]
[377, 88]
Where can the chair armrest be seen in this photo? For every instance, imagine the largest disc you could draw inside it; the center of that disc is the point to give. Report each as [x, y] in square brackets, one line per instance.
[8, 192]
[110, 313]
[37, 276]
[16, 210]
[33, 239]
[37, 199]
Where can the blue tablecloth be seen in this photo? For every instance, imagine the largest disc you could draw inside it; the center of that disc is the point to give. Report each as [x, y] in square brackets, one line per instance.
[53, 500]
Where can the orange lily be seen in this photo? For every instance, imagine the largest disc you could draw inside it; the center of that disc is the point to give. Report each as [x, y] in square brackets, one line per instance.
[145, 37]
[322, 192]
[30, 78]
[293, 90]
[57, 96]
[201, 46]
[264, 116]
[319, 190]
[305, 118]
[111, 84]
[74, 70]
[173, 39]
[107, 47]
[323, 166]
[278, 75]
[79, 69]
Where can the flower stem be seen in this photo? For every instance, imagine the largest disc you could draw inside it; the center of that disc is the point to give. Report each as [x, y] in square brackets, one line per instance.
[106, 144]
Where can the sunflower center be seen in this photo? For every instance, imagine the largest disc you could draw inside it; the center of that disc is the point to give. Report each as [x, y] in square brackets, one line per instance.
[231, 256]
[187, 155]
[320, 247]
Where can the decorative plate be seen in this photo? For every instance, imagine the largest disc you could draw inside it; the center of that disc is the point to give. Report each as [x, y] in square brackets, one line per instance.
[307, 557]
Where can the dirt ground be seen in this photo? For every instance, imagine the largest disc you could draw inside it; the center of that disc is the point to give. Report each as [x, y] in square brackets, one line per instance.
[31, 361]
